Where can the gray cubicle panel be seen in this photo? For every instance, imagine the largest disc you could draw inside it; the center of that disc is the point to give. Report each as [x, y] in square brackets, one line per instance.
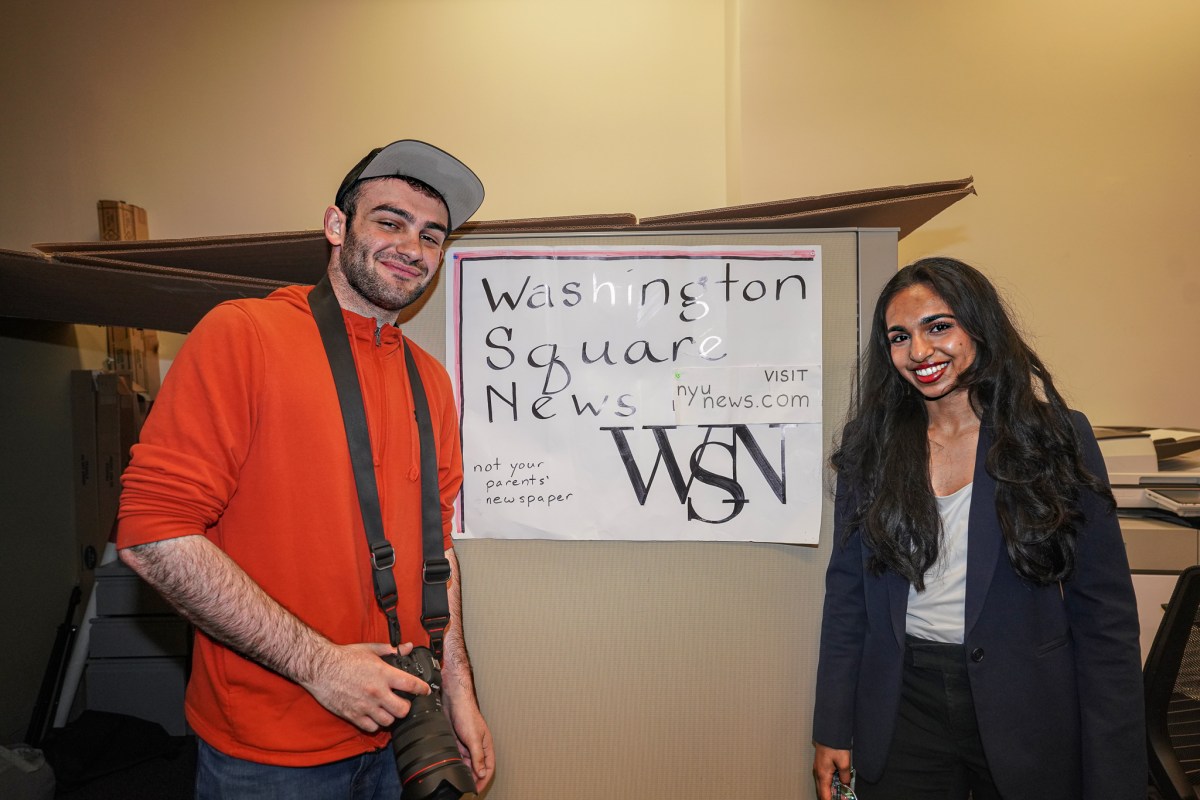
[618, 669]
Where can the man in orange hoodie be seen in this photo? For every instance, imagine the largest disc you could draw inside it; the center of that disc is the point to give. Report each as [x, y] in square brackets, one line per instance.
[239, 506]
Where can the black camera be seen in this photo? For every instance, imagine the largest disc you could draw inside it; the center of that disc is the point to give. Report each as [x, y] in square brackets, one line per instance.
[423, 743]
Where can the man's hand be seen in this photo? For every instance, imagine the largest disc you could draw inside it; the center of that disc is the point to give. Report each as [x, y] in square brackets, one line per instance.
[474, 739]
[210, 590]
[826, 761]
[354, 682]
[458, 690]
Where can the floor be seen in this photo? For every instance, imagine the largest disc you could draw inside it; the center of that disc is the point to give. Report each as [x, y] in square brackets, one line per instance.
[170, 777]
[164, 777]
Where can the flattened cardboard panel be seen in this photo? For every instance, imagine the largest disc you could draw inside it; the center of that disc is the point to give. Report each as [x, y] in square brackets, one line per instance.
[106, 262]
[169, 284]
[290, 258]
[787, 208]
[36, 288]
[590, 222]
[905, 213]
[295, 261]
[52, 248]
[297, 258]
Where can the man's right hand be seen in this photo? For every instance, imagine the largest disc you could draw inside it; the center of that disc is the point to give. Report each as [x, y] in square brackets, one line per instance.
[826, 761]
[215, 594]
[354, 682]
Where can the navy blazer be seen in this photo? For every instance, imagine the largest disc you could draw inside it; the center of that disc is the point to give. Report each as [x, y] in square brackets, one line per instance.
[1055, 671]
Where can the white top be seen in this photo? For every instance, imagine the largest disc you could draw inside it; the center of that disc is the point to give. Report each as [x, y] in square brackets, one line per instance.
[937, 613]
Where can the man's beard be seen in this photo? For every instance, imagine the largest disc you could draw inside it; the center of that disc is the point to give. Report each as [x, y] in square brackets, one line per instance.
[357, 264]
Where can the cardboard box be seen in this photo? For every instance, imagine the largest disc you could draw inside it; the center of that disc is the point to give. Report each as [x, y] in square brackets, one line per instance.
[120, 350]
[133, 354]
[129, 418]
[90, 535]
[108, 449]
[153, 376]
[141, 224]
[121, 222]
[137, 352]
[116, 221]
[116, 431]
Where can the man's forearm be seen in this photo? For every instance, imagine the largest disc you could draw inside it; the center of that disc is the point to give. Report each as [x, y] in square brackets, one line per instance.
[216, 595]
[456, 663]
[208, 588]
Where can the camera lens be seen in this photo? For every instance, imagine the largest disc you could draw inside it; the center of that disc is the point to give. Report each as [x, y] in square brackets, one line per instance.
[423, 744]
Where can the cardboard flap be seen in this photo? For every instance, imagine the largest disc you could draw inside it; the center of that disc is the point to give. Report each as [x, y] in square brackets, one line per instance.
[295, 257]
[168, 284]
[783, 208]
[590, 222]
[167, 300]
[907, 214]
[903, 207]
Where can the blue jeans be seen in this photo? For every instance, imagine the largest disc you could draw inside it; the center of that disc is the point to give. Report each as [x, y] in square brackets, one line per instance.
[370, 776]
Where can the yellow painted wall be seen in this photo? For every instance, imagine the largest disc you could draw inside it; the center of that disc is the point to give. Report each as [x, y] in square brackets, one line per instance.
[233, 117]
[1076, 119]
[1079, 121]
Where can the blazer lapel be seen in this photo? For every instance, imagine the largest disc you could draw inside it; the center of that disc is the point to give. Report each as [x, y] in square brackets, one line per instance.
[983, 534]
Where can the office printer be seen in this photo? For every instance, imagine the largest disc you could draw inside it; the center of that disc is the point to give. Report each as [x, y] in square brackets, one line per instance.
[1155, 476]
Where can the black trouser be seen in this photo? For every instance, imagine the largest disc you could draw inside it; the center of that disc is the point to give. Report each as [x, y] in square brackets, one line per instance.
[936, 753]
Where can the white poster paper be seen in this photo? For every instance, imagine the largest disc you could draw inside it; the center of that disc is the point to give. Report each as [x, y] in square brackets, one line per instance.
[638, 393]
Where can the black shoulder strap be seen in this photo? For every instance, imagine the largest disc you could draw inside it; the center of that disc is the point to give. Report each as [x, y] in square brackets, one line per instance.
[435, 613]
[435, 572]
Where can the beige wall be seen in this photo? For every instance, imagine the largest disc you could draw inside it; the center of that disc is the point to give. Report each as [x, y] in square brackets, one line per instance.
[231, 117]
[1076, 119]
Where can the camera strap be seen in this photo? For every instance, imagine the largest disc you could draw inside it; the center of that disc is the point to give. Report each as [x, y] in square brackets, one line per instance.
[435, 571]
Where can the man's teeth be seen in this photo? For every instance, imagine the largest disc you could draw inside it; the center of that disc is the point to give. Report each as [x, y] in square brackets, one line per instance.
[925, 372]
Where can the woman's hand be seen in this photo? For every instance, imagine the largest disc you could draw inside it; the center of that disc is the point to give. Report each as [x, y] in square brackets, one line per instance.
[827, 761]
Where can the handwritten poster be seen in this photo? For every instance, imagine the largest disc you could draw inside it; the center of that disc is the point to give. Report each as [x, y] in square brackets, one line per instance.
[638, 393]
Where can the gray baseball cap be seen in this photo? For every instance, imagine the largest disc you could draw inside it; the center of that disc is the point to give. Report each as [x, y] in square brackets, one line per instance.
[454, 181]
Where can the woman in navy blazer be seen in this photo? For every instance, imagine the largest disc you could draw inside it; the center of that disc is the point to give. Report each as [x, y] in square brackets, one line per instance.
[980, 632]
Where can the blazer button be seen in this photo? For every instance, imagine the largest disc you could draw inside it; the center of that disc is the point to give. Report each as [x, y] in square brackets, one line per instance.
[977, 655]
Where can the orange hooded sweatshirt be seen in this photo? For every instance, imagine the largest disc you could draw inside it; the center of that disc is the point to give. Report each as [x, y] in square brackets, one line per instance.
[245, 445]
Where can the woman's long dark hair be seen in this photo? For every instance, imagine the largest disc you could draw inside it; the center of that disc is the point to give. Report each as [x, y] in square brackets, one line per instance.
[1035, 460]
